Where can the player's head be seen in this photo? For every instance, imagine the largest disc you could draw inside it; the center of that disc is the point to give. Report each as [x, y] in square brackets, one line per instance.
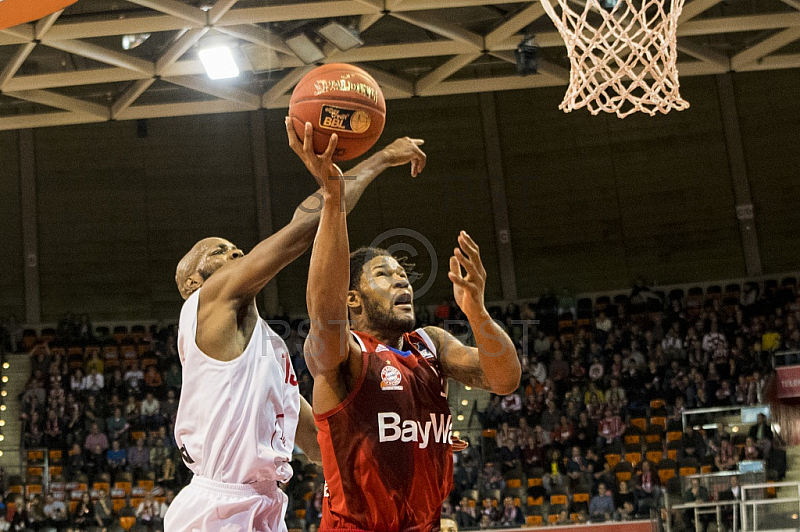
[205, 257]
[380, 297]
[448, 524]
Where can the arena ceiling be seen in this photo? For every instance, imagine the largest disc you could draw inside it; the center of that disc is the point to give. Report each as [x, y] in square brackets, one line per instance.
[71, 68]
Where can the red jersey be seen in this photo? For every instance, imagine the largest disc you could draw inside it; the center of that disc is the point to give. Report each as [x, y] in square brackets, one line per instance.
[386, 450]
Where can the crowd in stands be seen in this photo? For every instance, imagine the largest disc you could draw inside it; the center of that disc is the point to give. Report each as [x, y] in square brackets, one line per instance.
[593, 433]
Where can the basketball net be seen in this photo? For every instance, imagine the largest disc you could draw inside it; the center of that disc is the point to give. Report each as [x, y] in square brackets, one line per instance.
[622, 57]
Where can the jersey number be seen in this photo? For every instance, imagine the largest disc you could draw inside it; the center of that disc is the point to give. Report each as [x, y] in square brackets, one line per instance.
[290, 378]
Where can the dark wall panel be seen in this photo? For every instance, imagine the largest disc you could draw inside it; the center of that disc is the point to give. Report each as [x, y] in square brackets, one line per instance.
[596, 202]
[451, 194]
[12, 280]
[117, 212]
[769, 114]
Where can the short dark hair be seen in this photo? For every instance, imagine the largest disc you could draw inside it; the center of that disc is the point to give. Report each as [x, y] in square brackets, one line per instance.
[363, 255]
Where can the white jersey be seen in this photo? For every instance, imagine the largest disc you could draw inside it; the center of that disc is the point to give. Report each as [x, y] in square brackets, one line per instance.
[236, 420]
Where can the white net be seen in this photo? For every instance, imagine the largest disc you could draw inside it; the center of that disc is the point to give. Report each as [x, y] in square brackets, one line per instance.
[622, 53]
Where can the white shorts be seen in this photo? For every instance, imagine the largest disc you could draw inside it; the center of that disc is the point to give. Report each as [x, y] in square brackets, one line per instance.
[210, 506]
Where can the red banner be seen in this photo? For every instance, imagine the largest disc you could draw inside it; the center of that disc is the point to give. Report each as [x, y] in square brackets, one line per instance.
[788, 382]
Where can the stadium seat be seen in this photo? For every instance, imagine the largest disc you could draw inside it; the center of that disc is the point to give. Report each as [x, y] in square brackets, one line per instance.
[612, 459]
[534, 520]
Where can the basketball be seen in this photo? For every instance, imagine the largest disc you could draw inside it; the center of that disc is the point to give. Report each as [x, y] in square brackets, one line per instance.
[342, 99]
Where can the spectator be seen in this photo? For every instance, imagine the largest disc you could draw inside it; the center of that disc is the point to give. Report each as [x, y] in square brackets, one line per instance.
[132, 411]
[625, 502]
[601, 506]
[151, 412]
[96, 439]
[512, 514]
[134, 379]
[139, 458]
[695, 493]
[117, 425]
[726, 457]
[83, 517]
[648, 488]
[465, 514]
[103, 510]
[75, 463]
[174, 378]
[610, 430]
[577, 467]
[148, 514]
[166, 475]
[55, 513]
[152, 381]
[158, 455]
[751, 451]
[555, 473]
[511, 405]
[117, 459]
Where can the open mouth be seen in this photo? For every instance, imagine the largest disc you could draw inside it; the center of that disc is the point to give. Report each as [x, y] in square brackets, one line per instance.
[403, 301]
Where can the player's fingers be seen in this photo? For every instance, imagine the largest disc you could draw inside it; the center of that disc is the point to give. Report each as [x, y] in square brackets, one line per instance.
[417, 142]
[331, 147]
[308, 139]
[472, 270]
[468, 244]
[292, 135]
[457, 280]
[455, 267]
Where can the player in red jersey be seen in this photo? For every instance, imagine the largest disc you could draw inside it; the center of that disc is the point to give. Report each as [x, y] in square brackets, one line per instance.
[380, 391]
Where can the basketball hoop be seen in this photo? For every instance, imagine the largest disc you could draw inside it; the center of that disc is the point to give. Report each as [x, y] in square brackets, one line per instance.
[622, 54]
[14, 12]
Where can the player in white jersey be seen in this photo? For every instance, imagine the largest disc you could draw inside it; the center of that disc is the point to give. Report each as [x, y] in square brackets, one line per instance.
[240, 404]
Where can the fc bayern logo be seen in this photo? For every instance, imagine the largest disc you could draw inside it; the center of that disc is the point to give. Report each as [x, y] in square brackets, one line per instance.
[390, 376]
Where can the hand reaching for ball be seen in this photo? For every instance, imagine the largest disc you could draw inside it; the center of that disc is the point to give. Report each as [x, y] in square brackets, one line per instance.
[406, 150]
[321, 167]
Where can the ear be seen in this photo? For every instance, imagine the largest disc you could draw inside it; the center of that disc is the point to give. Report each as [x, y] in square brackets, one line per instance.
[354, 302]
[192, 284]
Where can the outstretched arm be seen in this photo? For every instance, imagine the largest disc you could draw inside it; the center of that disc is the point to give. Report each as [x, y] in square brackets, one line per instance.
[492, 365]
[306, 435]
[242, 279]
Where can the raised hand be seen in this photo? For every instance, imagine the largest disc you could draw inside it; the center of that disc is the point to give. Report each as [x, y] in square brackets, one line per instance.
[406, 150]
[320, 166]
[468, 289]
[458, 444]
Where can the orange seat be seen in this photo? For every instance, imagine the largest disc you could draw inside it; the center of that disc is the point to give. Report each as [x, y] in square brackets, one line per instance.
[613, 459]
[118, 504]
[705, 469]
[674, 435]
[127, 522]
[533, 520]
[580, 497]
[146, 484]
[654, 456]
[100, 486]
[489, 433]
[665, 474]
[659, 420]
[657, 403]
[514, 483]
[633, 458]
[575, 517]
[534, 482]
[686, 471]
[558, 499]
[623, 476]
[300, 513]
[124, 486]
[672, 454]
[538, 501]
[552, 519]
[639, 422]
[632, 439]
[55, 456]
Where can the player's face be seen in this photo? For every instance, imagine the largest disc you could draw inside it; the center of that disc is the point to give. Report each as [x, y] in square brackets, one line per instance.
[217, 253]
[387, 295]
[448, 525]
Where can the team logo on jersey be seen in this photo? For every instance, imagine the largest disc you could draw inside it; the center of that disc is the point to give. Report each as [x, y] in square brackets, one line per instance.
[390, 377]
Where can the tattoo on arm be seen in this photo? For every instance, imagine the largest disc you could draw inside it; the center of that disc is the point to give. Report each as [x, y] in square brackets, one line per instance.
[464, 367]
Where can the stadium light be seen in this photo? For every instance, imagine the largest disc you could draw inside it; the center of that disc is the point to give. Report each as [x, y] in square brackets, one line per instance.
[218, 62]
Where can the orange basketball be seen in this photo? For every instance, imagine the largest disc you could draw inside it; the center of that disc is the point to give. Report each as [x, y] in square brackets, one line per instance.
[342, 99]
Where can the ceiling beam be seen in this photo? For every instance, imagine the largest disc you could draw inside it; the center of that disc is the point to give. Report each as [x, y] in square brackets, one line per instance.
[422, 5]
[16, 61]
[129, 96]
[178, 48]
[393, 86]
[137, 112]
[46, 120]
[59, 101]
[694, 8]
[765, 47]
[442, 27]
[708, 26]
[453, 65]
[282, 87]
[300, 11]
[513, 25]
[245, 99]
[104, 55]
[256, 35]
[704, 53]
[221, 7]
[176, 9]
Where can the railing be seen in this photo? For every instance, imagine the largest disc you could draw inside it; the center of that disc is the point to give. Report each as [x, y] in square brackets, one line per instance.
[744, 512]
[750, 507]
[749, 413]
[782, 354]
